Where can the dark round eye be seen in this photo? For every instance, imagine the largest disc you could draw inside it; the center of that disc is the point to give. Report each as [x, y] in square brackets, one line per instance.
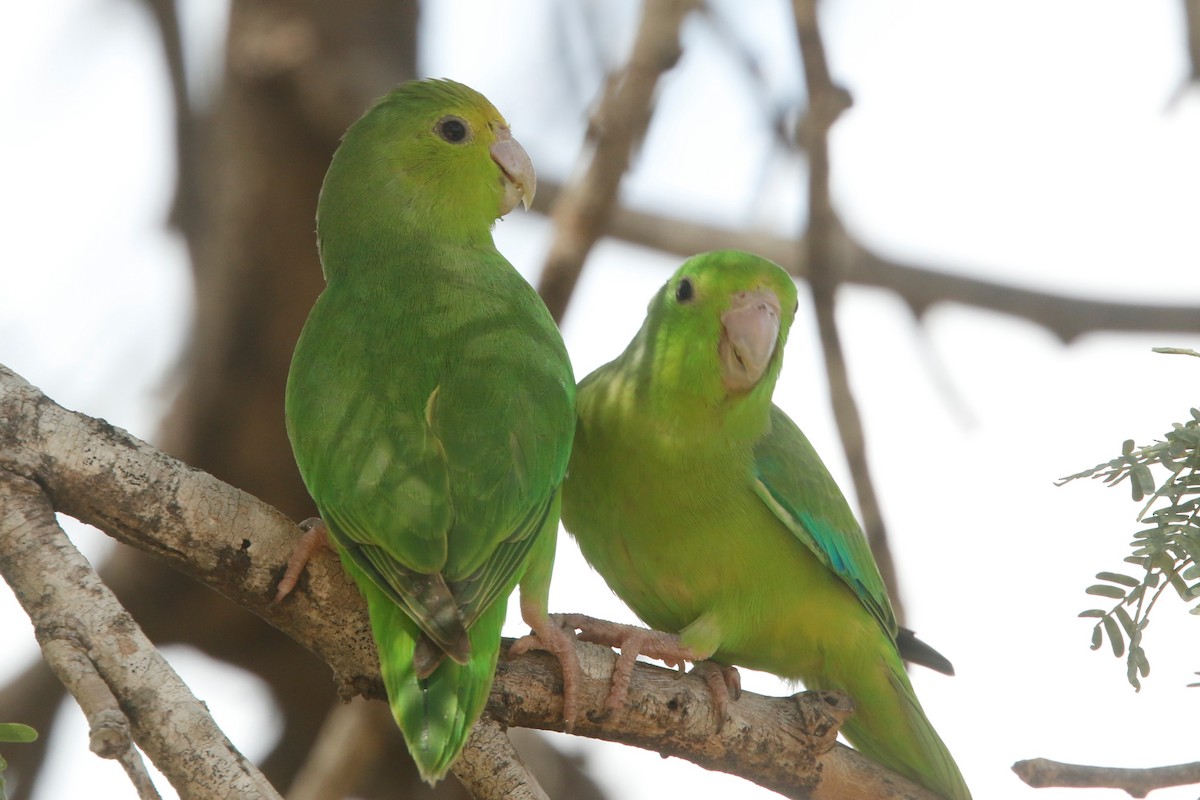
[452, 129]
[685, 291]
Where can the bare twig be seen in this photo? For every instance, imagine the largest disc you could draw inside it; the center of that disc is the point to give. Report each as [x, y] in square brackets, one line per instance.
[239, 546]
[826, 102]
[85, 627]
[920, 287]
[622, 116]
[1042, 772]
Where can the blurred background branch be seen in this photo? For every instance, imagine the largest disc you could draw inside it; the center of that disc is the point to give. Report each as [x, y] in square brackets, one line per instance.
[582, 208]
[921, 287]
[826, 102]
[1191, 15]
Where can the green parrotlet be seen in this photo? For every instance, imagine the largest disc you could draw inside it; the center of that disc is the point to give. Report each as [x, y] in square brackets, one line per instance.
[431, 404]
[708, 512]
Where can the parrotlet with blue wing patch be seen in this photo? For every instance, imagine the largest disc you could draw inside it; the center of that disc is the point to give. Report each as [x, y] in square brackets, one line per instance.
[708, 512]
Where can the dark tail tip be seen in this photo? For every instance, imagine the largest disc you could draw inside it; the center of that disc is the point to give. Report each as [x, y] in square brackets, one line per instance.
[913, 649]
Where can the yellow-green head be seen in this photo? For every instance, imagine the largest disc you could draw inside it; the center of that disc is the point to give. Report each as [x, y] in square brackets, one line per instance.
[433, 158]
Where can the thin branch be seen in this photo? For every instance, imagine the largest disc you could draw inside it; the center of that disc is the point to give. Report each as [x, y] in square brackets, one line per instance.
[1042, 772]
[239, 546]
[626, 104]
[85, 627]
[826, 102]
[920, 287]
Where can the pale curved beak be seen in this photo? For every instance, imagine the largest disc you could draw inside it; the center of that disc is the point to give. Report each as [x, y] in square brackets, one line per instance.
[520, 181]
[748, 338]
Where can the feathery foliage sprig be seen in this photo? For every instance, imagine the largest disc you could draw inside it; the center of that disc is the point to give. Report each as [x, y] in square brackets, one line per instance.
[1167, 550]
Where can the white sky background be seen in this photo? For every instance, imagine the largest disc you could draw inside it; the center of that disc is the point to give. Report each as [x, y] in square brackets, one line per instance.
[1029, 142]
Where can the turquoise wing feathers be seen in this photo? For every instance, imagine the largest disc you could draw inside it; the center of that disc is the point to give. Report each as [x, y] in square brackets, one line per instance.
[794, 483]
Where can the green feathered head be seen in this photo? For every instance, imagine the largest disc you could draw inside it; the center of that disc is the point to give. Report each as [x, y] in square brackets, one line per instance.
[712, 341]
[433, 158]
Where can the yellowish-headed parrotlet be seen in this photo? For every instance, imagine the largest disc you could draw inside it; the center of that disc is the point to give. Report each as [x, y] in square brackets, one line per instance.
[708, 512]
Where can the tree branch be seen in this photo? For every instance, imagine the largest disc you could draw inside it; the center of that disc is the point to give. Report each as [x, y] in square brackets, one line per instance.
[1042, 772]
[826, 102]
[491, 769]
[109, 734]
[239, 546]
[784, 744]
[920, 287]
[581, 211]
[83, 627]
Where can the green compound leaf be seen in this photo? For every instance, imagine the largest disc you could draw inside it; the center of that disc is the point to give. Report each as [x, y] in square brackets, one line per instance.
[1164, 478]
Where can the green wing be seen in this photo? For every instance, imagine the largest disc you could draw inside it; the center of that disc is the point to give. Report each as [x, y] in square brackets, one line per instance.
[435, 486]
[794, 483]
[430, 402]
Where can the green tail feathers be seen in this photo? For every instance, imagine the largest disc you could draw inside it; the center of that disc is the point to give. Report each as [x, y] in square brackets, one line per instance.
[889, 726]
[435, 714]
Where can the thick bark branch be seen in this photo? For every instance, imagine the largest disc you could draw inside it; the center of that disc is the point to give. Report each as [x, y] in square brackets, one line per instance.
[106, 660]
[239, 546]
[1042, 772]
[626, 104]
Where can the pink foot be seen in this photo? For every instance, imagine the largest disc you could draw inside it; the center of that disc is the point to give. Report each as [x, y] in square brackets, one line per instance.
[551, 635]
[314, 537]
[725, 683]
[632, 642]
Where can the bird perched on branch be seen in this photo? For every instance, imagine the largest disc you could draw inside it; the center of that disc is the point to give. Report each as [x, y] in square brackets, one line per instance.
[431, 404]
[709, 513]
